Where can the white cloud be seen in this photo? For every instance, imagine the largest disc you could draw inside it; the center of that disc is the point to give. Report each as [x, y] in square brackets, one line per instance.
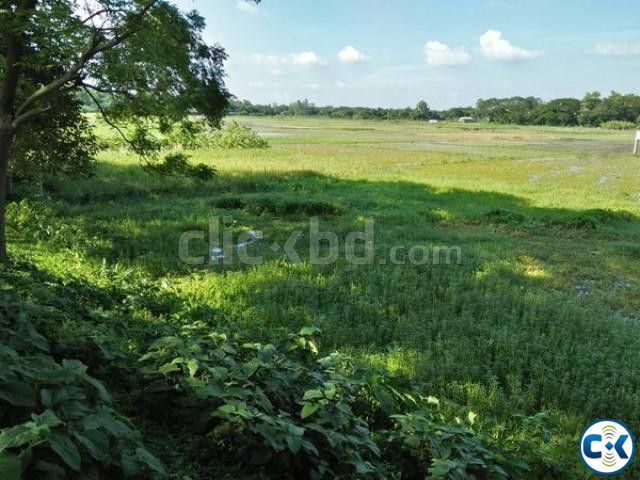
[495, 47]
[617, 49]
[248, 6]
[278, 61]
[351, 54]
[307, 58]
[438, 54]
[341, 84]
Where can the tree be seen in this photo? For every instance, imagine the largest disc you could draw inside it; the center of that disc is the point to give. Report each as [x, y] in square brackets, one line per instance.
[147, 55]
[562, 112]
[422, 111]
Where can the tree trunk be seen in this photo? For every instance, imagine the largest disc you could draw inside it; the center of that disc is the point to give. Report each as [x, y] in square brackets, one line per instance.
[7, 136]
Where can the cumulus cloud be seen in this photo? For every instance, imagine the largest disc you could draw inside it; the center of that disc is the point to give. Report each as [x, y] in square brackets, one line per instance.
[247, 6]
[438, 54]
[350, 54]
[306, 58]
[276, 61]
[495, 47]
[617, 49]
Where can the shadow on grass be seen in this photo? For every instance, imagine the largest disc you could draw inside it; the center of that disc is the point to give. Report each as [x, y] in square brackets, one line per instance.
[136, 219]
[486, 332]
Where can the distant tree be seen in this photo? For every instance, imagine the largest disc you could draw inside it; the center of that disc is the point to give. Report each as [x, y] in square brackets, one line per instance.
[590, 110]
[560, 112]
[422, 111]
[302, 107]
[148, 56]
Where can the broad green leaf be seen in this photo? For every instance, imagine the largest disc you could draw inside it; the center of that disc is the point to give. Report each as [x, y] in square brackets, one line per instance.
[169, 368]
[442, 468]
[192, 366]
[294, 443]
[10, 466]
[150, 460]
[21, 435]
[312, 395]
[309, 331]
[96, 443]
[309, 409]
[104, 419]
[102, 391]
[18, 393]
[65, 448]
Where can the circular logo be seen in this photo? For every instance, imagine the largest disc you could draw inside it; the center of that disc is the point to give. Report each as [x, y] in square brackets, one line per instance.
[607, 447]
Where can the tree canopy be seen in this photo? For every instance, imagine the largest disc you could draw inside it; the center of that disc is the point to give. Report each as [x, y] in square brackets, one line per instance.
[146, 56]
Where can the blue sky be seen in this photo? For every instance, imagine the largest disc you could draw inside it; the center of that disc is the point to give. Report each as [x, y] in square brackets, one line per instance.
[393, 53]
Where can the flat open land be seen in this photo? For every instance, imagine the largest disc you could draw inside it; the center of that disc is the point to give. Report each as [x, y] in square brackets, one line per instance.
[541, 314]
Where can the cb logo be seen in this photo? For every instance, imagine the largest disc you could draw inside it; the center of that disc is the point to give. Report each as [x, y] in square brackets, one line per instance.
[606, 447]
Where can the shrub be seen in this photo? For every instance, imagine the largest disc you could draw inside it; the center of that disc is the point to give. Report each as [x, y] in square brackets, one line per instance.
[619, 125]
[55, 419]
[236, 136]
[177, 165]
[260, 204]
[279, 411]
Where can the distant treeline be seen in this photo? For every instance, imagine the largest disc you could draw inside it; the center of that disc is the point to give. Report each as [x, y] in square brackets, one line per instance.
[593, 110]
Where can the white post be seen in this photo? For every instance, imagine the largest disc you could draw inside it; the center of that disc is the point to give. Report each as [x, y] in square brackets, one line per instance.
[636, 143]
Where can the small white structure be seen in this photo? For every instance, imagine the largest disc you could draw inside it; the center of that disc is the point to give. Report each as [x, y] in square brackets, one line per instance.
[467, 120]
[433, 120]
[636, 144]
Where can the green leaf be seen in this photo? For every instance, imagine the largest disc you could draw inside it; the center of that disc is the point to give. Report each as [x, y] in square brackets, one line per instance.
[102, 391]
[330, 391]
[309, 331]
[309, 409]
[106, 420]
[130, 465]
[64, 447]
[312, 395]
[294, 443]
[192, 366]
[441, 468]
[52, 470]
[10, 466]
[169, 368]
[17, 393]
[22, 435]
[96, 443]
[150, 460]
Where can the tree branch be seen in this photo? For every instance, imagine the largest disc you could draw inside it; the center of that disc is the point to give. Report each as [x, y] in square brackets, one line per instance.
[94, 48]
[18, 121]
[103, 113]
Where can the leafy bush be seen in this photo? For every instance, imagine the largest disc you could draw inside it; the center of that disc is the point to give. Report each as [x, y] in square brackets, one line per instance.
[177, 165]
[56, 421]
[236, 136]
[35, 218]
[276, 410]
[619, 125]
[450, 451]
[188, 133]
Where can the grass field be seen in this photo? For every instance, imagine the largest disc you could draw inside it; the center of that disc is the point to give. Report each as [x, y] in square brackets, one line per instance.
[541, 314]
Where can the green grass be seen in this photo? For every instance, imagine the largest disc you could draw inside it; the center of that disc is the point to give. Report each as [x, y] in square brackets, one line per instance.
[542, 314]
